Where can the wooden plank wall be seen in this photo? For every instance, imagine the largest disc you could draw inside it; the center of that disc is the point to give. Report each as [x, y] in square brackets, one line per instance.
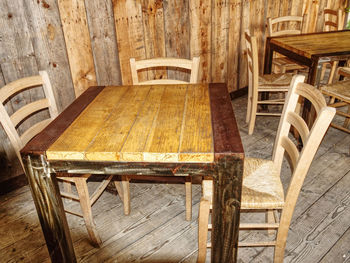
[82, 43]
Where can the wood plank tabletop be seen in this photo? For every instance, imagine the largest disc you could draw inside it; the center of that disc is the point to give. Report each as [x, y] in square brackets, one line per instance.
[307, 45]
[163, 123]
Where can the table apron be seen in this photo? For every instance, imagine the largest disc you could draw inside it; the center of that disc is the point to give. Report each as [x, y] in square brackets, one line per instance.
[154, 169]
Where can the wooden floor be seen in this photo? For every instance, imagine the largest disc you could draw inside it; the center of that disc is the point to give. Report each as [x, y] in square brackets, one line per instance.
[156, 230]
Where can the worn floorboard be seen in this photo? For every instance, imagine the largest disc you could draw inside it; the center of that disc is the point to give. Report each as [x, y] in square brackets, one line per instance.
[156, 230]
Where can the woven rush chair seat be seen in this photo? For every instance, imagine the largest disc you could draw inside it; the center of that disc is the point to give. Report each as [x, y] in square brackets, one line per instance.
[275, 81]
[287, 64]
[262, 187]
[340, 90]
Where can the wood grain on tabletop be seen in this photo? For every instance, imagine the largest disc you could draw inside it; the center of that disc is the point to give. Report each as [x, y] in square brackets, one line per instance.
[311, 44]
[149, 123]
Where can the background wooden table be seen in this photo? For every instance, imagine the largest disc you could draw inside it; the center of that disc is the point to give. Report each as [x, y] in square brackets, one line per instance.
[149, 130]
[311, 50]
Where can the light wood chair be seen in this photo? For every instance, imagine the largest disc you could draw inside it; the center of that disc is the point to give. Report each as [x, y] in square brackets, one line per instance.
[257, 84]
[277, 27]
[193, 66]
[341, 92]
[187, 64]
[262, 188]
[333, 21]
[11, 123]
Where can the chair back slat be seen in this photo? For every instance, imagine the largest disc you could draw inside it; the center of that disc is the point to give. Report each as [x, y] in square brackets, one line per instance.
[299, 124]
[192, 65]
[34, 130]
[29, 109]
[291, 149]
[19, 85]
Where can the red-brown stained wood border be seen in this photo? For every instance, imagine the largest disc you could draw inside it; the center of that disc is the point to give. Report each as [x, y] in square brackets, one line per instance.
[40, 143]
[227, 140]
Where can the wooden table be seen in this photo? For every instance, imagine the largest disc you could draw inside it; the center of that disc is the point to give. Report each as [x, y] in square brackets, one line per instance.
[311, 50]
[147, 130]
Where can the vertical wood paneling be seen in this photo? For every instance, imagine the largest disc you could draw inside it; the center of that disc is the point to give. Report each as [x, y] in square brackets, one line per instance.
[153, 28]
[220, 26]
[103, 41]
[77, 37]
[200, 36]
[234, 46]
[130, 37]
[177, 32]
[258, 26]
[49, 47]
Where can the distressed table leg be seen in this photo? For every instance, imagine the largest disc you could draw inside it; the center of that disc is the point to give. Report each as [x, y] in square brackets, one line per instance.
[226, 208]
[48, 202]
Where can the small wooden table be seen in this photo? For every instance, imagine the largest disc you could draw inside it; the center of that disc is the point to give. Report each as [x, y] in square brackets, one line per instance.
[311, 50]
[147, 130]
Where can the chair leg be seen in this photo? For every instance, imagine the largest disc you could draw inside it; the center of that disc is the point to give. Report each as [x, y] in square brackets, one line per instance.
[270, 218]
[123, 189]
[347, 120]
[82, 189]
[323, 71]
[188, 190]
[203, 219]
[332, 72]
[126, 194]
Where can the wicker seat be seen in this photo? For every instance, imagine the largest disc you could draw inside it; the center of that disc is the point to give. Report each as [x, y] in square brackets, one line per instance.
[278, 83]
[262, 189]
[340, 91]
[274, 28]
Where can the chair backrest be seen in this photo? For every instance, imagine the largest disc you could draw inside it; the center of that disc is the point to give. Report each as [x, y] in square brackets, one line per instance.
[10, 123]
[277, 26]
[191, 65]
[311, 138]
[332, 19]
[252, 62]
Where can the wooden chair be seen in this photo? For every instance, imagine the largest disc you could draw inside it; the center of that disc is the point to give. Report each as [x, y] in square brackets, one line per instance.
[262, 188]
[187, 64]
[277, 27]
[341, 92]
[333, 21]
[261, 83]
[11, 123]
